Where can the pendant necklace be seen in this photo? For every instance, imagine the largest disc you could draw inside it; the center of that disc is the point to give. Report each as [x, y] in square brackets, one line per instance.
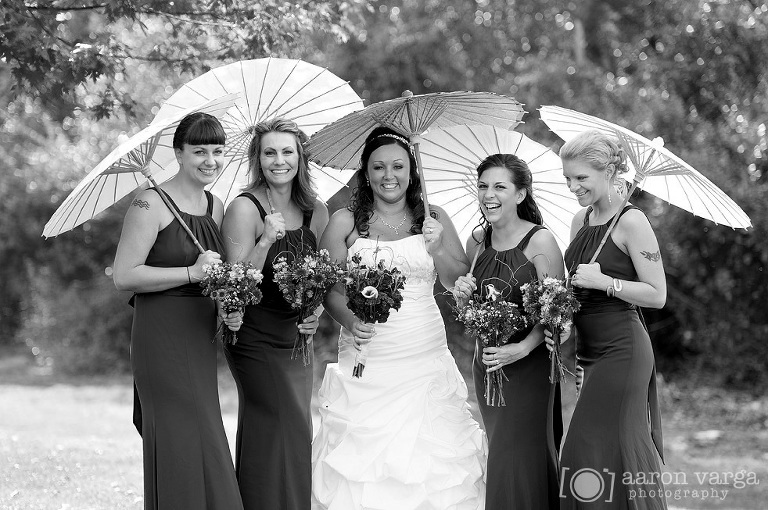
[396, 228]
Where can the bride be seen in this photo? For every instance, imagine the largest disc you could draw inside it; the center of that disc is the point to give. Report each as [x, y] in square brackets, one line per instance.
[401, 436]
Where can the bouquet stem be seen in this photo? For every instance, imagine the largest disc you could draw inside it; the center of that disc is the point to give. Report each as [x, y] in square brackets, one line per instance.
[494, 388]
[228, 337]
[557, 367]
[302, 349]
[360, 358]
[301, 345]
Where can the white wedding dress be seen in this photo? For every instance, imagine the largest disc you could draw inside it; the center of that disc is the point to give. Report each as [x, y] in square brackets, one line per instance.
[402, 436]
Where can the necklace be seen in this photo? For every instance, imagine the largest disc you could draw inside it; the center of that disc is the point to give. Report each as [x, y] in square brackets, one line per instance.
[269, 201]
[396, 228]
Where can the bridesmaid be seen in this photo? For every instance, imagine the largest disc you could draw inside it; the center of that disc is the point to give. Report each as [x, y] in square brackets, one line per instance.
[279, 213]
[512, 248]
[187, 463]
[610, 438]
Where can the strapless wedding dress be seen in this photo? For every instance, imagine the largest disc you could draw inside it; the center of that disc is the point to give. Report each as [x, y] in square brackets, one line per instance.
[402, 436]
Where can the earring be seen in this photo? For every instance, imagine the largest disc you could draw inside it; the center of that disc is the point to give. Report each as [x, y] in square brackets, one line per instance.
[609, 198]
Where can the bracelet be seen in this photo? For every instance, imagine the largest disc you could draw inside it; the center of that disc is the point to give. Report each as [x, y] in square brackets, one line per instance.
[609, 290]
[189, 277]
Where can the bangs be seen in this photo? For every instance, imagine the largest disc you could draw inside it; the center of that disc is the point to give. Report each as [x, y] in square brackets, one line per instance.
[206, 132]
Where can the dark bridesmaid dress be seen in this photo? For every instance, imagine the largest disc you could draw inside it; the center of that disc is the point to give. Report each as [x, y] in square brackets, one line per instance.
[522, 459]
[614, 437]
[187, 462]
[274, 432]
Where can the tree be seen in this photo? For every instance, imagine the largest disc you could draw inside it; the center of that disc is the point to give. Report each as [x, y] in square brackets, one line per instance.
[53, 48]
[692, 72]
[66, 64]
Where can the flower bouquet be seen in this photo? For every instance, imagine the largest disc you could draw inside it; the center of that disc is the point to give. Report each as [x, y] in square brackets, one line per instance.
[371, 293]
[552, 303]
[235, 285]
[492, 320]
[304, 281]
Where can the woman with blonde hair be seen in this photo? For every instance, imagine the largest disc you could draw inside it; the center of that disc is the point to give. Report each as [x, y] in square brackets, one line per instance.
[278, 214]
[615, 433]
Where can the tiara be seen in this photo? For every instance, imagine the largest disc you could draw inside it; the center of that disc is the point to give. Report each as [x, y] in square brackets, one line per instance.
[396, 137]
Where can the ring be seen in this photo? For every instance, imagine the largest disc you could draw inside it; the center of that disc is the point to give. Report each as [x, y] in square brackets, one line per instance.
[429, 230]
[279, 235]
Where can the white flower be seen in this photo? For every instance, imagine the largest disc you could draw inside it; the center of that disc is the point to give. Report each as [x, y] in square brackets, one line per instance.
[255, 274]
[491, 292]
[370, 292]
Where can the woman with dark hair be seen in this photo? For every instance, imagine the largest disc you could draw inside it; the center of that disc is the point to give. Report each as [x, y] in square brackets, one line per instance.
[615, 430]
[400, 436]
[278, 214]
[187, 462]
[512, 249]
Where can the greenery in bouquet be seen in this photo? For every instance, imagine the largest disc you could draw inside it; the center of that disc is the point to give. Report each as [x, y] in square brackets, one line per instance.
[372, 292]
[492, 321]
[304, 281]
[234, 285]
[551, 302]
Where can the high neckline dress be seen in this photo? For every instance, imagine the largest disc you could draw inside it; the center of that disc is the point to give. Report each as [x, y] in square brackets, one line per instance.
[187, 461]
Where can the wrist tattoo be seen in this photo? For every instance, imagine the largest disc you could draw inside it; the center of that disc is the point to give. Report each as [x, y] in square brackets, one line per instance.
[140, 203]
[653, 257]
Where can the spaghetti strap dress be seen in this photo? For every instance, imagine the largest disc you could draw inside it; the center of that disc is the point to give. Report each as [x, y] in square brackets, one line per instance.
[274, 430]
[187, 462]
[610, 457]
[522, 460]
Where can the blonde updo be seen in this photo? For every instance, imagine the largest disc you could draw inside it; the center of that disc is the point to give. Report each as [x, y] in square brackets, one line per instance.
[598, 150]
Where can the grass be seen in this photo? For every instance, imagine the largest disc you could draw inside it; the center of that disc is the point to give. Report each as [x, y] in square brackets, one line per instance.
[69, 444]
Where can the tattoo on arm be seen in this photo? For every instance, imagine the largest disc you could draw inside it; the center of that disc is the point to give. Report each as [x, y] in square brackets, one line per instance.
[653, 257]
[140, 203]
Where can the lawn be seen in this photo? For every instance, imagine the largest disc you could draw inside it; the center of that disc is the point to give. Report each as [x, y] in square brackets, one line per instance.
[69, 444]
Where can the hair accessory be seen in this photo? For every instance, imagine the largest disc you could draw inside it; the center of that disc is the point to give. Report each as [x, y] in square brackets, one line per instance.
[396, 137]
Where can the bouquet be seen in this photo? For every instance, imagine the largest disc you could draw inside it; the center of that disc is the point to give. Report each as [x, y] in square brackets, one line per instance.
[371, 293]
[552, 303]
[304, 281]
[492, 321]
[235, 285]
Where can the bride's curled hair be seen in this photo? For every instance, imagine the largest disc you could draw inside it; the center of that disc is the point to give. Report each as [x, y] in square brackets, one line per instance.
[361, 202]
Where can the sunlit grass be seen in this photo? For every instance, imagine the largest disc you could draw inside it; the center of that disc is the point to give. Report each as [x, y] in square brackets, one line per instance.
[70, 443]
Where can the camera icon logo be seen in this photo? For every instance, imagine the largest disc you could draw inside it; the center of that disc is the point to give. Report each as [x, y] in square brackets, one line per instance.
[588, 485]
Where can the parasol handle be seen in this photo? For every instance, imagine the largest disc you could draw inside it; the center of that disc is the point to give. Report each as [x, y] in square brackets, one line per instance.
[474, 259]
[613, 222]
[421, 176]
[176, 214]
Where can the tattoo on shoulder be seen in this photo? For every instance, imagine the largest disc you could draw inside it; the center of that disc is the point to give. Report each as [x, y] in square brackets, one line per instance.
[653, 257]
[140, 203]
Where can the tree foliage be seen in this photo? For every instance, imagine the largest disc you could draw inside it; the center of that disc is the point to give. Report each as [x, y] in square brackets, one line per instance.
[694, 73]
[54, 47]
